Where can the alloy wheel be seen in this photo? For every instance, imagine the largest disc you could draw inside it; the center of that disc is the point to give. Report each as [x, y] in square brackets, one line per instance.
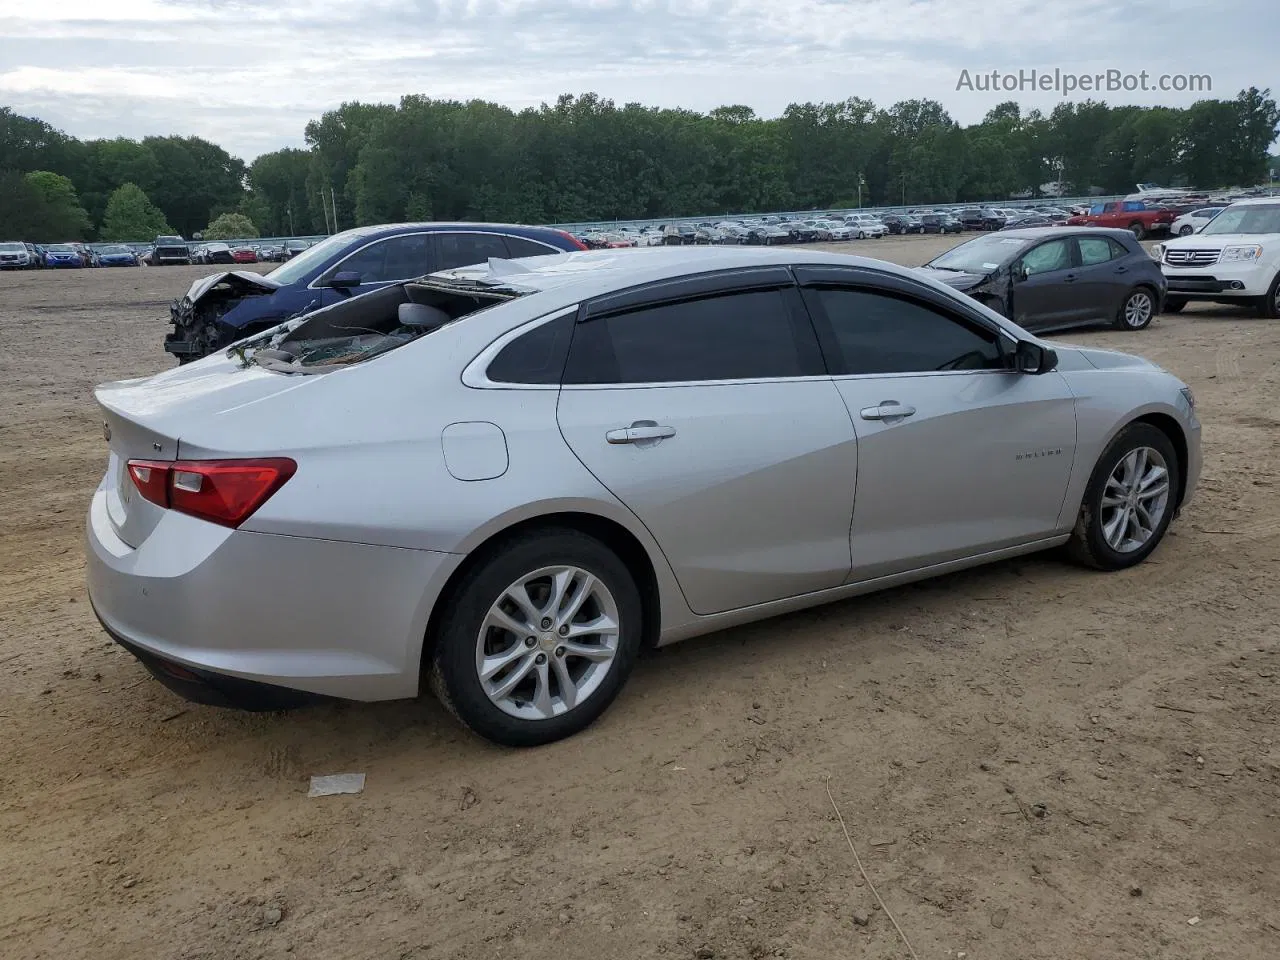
[1138, 309]
[1134, 499]
[547, 642]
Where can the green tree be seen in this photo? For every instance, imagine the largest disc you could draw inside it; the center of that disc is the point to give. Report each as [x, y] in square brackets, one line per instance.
[22, 209]
[63, 216]
[278, 186]
[196, 177]
[231, 226]
[130, 215]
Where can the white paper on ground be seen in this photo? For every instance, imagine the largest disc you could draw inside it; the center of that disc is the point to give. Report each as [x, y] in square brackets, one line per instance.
[335, 784]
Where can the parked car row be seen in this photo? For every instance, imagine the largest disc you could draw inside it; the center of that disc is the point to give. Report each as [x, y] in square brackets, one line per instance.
[16, 255]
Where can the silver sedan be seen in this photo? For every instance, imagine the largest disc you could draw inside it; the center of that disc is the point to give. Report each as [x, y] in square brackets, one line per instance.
[503, 481]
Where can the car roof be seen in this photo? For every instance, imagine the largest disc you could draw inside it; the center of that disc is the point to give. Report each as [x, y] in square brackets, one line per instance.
[433, 226]
[585, 274]
[1037, 233]
[1254, 202]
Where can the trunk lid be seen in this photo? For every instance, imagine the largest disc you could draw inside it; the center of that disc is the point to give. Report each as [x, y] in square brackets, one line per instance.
[144, 419]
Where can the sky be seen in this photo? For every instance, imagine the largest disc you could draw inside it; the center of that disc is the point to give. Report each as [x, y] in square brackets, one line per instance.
[249, 74]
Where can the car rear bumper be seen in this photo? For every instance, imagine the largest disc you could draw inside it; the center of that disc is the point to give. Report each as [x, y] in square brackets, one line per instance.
[219, 614]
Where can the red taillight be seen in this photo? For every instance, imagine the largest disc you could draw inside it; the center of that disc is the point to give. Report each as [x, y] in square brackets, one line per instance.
[226, 492]
[151, 477]
[577, 244]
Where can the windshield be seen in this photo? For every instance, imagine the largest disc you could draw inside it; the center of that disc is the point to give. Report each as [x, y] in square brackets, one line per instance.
[114, 251]
[312, 257]
[12, 248]
[1254, 218]
[170, 240]
[980, 255]
[60, 248]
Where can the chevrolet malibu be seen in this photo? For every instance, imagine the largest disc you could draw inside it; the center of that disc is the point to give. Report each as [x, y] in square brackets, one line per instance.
[502, 481]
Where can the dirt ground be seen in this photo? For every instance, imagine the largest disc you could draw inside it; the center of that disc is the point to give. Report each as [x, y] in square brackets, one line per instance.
[1035, 762]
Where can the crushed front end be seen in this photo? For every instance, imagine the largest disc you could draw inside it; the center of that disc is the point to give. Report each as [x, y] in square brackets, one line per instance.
[197, 316]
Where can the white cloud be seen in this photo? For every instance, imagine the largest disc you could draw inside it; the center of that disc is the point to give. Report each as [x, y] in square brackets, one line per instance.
[250, 73]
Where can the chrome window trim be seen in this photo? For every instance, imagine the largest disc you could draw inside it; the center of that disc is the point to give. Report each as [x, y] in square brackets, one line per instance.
[427, 233]
[742, 381]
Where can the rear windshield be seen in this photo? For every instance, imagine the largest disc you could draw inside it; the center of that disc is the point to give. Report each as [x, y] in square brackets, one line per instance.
[367, 326]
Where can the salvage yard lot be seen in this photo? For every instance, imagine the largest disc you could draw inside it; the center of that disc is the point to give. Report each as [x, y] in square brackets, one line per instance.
[1034, 761]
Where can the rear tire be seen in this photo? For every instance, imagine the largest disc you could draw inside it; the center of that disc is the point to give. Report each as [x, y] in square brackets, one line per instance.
[555, 696]
[1115, 530]
[1186, 231]
[1138, 230]
[1137, 310]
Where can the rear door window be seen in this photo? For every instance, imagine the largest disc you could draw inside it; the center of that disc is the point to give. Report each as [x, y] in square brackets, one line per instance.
[523, 247]
[1095, 250]
[737, 336]
[464, 249]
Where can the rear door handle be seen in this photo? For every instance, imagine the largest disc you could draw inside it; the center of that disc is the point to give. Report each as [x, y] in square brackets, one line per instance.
[887, 410]
[639, 432]
[1122, 269]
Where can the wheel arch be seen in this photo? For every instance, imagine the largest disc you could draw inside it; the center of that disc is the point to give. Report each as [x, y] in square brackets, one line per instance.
[1170, 427]
[611, 533]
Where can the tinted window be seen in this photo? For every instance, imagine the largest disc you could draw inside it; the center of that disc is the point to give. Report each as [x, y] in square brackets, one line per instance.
[732, 337]
[464, 249]
[396, 258]
[1099, 250]
[878, 333]
[520, 247]
[1054, 255]
[535, 357]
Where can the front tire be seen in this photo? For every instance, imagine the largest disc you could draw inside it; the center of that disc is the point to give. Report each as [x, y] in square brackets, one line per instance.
[1136, 311]
[1269, 307]
[538, 639]
[1173, 305]
[1129, 502]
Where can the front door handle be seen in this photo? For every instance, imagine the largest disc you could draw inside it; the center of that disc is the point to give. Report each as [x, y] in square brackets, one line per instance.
[887, 410]
[640, 432]
[1069, 278]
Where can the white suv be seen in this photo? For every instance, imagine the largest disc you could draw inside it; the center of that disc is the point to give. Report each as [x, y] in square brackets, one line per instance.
[1234, 259]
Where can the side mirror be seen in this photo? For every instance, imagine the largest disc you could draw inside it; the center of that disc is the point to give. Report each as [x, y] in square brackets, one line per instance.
[1021, 271]
[1032, 358]
[345, 279]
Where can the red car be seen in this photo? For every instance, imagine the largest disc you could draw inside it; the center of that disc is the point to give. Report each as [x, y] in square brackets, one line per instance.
[244, 255]
[1132, 215]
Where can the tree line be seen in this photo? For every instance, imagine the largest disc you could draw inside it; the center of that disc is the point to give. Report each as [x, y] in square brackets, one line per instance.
[585, 158]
